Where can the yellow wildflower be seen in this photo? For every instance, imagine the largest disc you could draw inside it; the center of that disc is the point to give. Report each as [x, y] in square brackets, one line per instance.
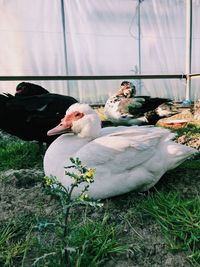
[84, 197]
[89, 175]
[48, 181]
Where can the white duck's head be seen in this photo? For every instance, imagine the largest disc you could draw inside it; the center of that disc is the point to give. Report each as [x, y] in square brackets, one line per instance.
[80, 119]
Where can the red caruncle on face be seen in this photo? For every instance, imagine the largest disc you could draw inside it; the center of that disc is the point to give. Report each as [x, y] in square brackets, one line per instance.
[68, 119]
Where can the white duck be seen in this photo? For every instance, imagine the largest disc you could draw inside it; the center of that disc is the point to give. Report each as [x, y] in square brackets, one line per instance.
[125, 158]
[124, 108]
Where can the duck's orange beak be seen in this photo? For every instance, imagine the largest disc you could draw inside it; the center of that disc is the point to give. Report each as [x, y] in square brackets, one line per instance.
[66, 123]
[63, 127]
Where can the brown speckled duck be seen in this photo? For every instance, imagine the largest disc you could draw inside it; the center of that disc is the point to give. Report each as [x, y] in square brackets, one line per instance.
[125, 108]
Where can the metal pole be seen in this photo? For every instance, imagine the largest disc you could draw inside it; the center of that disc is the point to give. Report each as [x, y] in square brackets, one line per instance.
[64, 41]
[188, 46]
[139, 46]
[95, 77]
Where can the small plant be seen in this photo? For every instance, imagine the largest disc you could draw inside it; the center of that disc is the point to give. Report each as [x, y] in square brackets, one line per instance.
[81, 175]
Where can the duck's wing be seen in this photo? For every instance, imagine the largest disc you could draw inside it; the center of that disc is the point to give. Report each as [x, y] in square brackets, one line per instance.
[38, 102]
[8, 95]
[121, 151]
[29, 103]
[48, 106]
[143, 104]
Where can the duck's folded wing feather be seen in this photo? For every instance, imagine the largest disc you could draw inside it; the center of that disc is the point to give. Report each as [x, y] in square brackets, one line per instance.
[121, 151]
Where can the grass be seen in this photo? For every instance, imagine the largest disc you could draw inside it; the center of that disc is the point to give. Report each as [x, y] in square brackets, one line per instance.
[191, 130]
[179, 220]
[93, 243]
[17, 154]
[192, 164]
[14, 242]
[96, 242]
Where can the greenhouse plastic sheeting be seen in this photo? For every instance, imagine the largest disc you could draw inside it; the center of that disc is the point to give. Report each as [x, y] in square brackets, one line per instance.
[90, 37]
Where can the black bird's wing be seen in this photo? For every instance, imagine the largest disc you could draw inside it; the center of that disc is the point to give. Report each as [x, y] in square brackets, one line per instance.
[143, 104]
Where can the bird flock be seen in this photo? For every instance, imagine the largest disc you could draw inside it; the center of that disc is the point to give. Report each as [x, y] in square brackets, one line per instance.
[130, 155]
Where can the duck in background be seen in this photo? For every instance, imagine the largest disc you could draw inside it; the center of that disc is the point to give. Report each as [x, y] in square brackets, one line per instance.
[30, 117]
[29, 89]
[125, 108]
[35, 110]
[125, 158]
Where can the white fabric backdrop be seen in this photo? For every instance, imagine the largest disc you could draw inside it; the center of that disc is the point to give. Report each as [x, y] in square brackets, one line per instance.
[101, 39]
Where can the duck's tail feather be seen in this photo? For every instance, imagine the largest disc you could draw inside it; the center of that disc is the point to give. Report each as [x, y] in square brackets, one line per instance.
[178, 153]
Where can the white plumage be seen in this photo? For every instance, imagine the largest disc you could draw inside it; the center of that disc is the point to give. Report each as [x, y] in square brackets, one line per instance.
[125, 158]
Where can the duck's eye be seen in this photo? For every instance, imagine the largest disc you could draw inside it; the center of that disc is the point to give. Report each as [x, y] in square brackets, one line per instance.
[77, 115]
